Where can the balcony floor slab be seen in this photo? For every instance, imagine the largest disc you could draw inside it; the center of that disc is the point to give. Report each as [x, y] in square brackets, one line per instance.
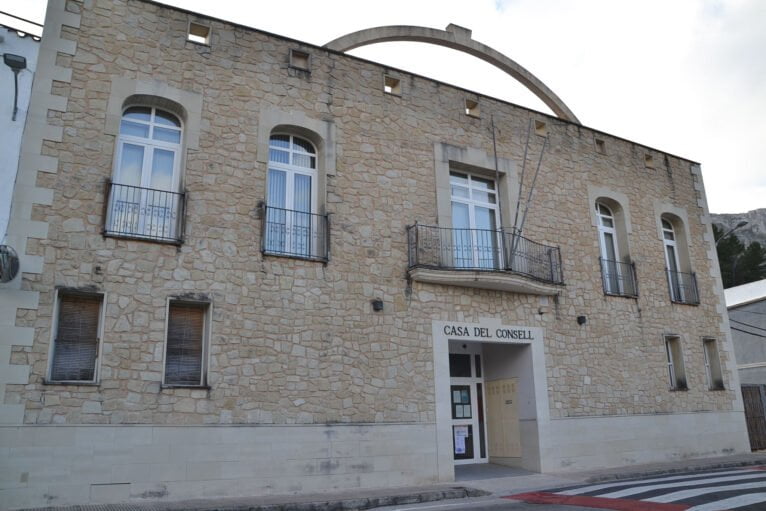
[496, 280]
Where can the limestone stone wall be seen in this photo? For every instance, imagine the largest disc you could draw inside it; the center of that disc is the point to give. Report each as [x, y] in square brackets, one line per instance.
[295, 341]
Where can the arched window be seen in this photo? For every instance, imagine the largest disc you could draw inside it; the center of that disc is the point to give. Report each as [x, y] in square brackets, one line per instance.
[293, 227]
[617, 275]
[681, 281]
[144, 199]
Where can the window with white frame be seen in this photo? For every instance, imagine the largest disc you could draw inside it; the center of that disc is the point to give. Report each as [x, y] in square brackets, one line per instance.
[475, 237]
[144, 200]
[292, 224]
[712, 364]
[610, 257]
[76, 340]
[671, 260]
[186, 344]
[676, 371]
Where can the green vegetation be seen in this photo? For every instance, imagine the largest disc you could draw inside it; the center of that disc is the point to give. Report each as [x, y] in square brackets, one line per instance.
[739, 264]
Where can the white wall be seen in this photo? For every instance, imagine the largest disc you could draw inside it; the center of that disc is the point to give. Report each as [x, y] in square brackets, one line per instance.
[63, 465]
[11, 131]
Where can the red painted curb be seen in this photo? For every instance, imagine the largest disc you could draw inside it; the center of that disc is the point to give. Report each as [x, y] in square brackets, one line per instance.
[597, 502]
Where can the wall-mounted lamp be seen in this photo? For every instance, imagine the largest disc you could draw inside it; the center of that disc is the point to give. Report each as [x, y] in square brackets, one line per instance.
[9, 264]
[377, 305]
[16, 63]
[581, 320]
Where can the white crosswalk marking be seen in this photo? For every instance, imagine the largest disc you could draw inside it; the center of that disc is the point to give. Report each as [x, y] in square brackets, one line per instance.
[732, 503]
[696, 492]
[597, 487]
[641, 489]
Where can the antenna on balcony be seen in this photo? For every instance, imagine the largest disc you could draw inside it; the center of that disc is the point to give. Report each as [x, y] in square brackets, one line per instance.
[497, 174]
[520, 227]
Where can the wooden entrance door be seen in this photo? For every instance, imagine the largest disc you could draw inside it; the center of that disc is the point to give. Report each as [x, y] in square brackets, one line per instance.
[754, 397]
[503, 419]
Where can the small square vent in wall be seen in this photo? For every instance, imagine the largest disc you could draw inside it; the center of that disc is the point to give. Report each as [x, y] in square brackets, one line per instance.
[472, 108]
[198, 33]
[300, 60]
[392, 85]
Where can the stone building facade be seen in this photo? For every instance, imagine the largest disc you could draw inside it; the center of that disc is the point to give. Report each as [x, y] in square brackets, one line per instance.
[281, 254]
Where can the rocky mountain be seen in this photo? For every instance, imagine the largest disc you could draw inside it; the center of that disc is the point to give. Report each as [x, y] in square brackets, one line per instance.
[755, 230]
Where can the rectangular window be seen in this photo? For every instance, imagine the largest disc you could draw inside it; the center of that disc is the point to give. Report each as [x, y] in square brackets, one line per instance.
[186, 347]
[712, 364]
[676, 370]
[76, 341]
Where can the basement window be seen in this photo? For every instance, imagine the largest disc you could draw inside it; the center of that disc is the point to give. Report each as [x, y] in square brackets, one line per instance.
[600, 146]
[198, 33]
[676, 371]
[471, 108]
[300, 60]
[392, 85]
[712, 364]
[541, 128]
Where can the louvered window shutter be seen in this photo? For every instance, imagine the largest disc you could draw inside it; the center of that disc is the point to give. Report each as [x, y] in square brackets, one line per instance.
[76, 343]
[183, 361]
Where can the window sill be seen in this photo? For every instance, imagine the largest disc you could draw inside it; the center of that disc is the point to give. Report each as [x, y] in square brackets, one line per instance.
[170, 386]
[615, 295]
[693, 304]
[72, 382]
[717, 389]
[148, 239]
[680, 389]
[317, 259]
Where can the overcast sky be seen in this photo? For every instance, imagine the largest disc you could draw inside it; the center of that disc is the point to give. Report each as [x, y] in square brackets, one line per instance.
[685, 76]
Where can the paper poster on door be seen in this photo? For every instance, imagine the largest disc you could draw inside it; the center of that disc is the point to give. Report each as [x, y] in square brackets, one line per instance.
[461, 432]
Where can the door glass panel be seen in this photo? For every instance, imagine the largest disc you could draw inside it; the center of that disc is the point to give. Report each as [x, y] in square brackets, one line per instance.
[461, 236]
[609, 246]
[134, 129]
[276, 219]
[301, 225]
[486, 238]
[166, 119]
[459, 365]
[462, 442]
[167, 135]
[279, 156]
[139, 113]
[131, 162]
[671, 258]
[461, 401]
[162, 170]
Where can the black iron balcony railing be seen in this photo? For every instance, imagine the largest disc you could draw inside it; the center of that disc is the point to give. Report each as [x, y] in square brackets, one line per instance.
[295, 234]
[682, 287]
[618, 278]
[484, 250]
[144, 213]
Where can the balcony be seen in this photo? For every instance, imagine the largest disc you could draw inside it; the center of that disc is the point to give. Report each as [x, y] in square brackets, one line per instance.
[682, 287]
[297, 234]
[619, 278]
[488, 259]
[144, 214]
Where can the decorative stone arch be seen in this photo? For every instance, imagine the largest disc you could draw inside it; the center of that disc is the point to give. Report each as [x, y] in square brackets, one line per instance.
[680, 222]
[319, 132]
[457, 38]
[620, 206]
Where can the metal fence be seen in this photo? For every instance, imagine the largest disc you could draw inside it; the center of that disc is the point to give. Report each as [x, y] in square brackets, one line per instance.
[293, 233]
[144, 213]
[619, 278]
[683, 287]
[483, 250]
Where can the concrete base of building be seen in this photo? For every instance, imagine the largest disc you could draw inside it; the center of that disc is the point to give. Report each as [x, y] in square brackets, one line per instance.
[63, 465]
[588, 443]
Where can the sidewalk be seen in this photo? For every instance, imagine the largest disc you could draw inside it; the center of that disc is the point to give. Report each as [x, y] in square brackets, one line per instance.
[486, 481]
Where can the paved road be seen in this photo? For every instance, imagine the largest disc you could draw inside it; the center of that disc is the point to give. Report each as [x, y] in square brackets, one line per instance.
[733, 489]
